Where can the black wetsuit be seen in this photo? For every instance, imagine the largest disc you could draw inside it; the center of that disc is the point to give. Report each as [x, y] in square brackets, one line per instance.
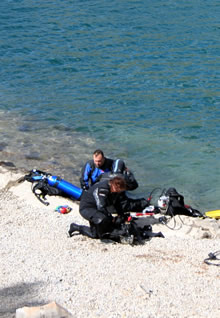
[97, 206]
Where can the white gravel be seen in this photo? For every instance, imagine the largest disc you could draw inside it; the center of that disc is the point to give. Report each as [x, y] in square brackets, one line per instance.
[39, 263]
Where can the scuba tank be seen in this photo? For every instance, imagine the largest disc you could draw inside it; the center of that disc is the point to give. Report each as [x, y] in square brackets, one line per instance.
[44, 183]
[65, 186]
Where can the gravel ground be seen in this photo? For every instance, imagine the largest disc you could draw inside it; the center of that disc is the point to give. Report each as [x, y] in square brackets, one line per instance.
[39, 263]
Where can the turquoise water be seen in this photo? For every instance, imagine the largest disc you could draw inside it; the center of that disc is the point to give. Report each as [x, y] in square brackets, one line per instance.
[139, 79]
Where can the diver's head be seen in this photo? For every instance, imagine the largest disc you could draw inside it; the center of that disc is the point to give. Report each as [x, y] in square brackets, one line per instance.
[98, 158]
[117, 184]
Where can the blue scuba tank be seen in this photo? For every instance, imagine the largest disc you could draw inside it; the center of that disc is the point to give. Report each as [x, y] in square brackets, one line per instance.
[65, 186]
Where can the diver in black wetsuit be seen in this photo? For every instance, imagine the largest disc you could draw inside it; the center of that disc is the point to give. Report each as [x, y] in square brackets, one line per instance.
[99, 203]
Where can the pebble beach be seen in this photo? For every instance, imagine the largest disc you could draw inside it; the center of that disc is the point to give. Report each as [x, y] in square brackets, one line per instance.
[40, 263]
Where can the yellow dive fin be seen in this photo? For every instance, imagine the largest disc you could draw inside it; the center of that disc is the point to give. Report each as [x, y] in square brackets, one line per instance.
[213, 214]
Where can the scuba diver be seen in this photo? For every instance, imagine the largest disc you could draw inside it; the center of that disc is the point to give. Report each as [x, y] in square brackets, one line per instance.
[101, 167]
[99, 203]
[94, 168]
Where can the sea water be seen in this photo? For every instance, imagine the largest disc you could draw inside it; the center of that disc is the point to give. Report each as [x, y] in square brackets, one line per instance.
[138, 79]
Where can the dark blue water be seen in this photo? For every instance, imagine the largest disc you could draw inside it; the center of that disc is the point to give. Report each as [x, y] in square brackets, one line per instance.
[139, 79]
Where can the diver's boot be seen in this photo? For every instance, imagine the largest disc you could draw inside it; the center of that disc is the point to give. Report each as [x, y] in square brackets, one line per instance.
[82, 229]
[73, 228]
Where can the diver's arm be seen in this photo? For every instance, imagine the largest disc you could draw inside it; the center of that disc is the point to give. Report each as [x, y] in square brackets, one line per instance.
[84, 179]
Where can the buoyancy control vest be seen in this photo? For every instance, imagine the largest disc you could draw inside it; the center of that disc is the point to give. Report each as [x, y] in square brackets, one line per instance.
[131, 182]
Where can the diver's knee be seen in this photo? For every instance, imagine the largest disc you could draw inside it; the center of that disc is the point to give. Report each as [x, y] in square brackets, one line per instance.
[104, 227]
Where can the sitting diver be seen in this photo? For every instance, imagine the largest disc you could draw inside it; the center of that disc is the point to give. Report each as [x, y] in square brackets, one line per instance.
[99, 203]
[93, 170]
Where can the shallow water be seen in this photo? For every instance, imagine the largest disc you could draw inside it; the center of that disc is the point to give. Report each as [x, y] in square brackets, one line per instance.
[139, 79]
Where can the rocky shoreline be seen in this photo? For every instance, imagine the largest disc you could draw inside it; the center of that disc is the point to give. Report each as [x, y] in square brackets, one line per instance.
[39, 263]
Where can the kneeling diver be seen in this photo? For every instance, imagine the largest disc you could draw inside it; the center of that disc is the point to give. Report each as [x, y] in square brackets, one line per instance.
[99, 203]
